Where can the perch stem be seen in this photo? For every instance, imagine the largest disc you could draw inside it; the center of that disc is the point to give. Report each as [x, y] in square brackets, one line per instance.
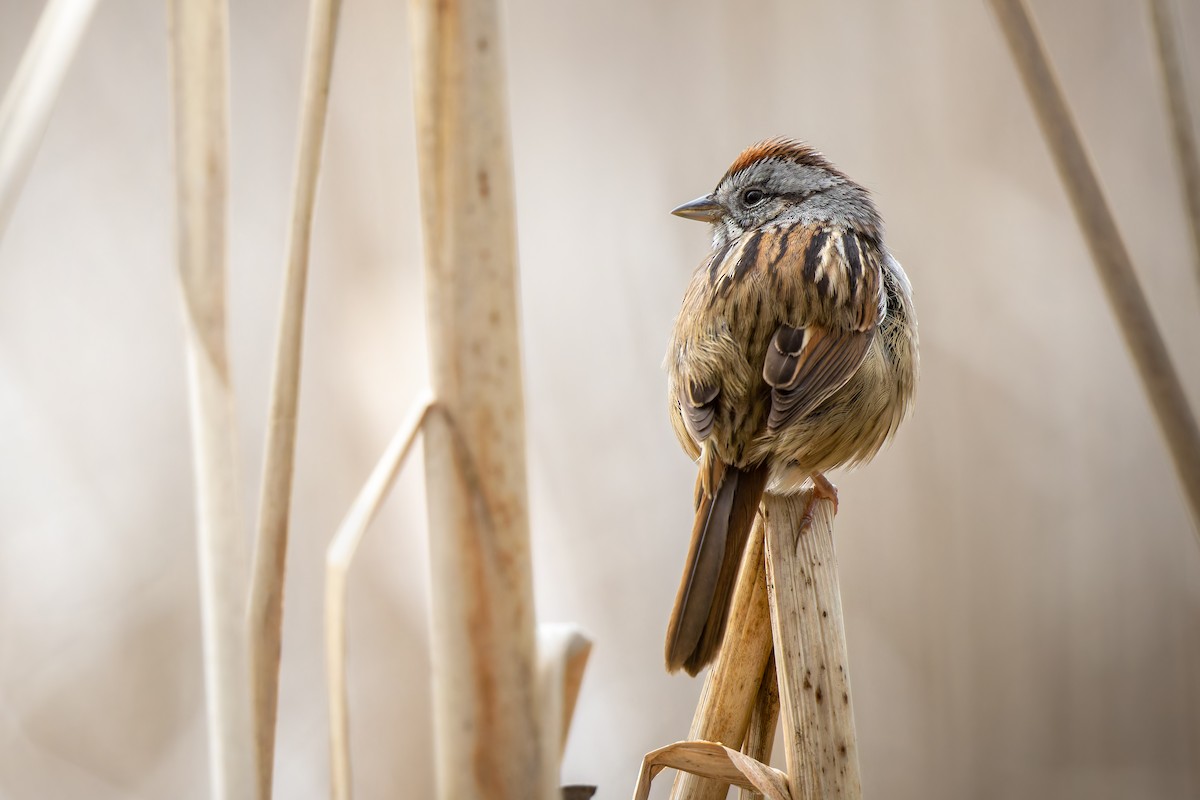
[810, 651]
[727, 699]
[760, 738]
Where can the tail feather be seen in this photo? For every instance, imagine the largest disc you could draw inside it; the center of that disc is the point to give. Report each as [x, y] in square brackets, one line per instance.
[725, 513]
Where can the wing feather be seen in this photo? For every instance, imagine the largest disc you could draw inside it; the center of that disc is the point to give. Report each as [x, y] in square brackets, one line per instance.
[839, 277]
[700, 409]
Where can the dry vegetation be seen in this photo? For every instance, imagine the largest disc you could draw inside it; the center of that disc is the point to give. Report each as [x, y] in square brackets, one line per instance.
[505, 687]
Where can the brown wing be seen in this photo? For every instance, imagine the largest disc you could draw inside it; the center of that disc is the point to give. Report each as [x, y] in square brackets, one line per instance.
[837, 276]
[699, 406]
[806, 365]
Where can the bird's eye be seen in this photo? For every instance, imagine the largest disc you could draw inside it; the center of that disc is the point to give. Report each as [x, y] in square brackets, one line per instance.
[752, 197]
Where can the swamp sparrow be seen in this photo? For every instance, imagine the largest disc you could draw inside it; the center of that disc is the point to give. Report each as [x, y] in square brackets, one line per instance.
[795, 352]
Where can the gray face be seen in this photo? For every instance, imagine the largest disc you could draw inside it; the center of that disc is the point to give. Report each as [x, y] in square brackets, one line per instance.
[783, 190]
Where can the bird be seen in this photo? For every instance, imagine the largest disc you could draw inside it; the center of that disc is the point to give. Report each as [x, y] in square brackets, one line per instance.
[794, 353]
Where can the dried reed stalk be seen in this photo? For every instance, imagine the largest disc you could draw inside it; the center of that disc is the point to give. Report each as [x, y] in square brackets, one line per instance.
[563, 653]
[1112, 260]
[265, 616]
[727, 700]
[337, 563]
[810, 651]
[1182, 132]
[760, 738]
[200, 92]
[30, 98]
[717, 762]
[485, 695]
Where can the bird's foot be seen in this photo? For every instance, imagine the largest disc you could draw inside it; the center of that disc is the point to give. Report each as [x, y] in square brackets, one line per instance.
[822, 490]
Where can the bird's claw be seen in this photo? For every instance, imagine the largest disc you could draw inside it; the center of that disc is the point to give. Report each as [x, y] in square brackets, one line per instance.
[822, 489]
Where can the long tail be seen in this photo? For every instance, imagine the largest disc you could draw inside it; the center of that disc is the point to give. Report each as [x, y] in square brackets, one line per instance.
[724, 518]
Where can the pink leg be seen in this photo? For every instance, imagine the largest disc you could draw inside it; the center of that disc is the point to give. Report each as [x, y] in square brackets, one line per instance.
[822, 490]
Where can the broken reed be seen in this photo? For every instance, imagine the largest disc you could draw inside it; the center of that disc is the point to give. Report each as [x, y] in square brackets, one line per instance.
[786, 661]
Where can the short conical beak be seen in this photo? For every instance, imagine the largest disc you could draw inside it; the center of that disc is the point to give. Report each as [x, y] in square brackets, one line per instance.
[704, 209]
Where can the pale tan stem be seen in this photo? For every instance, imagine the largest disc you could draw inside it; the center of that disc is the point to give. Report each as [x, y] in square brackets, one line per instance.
[31, 94]
[1112, 260]
[810, 651]
[265, 615]
[338, 558]
[727, 699]
[1182, 131]
[485, 698]
[200, 93]
[716, 762]
[563, 653]
[760, 738]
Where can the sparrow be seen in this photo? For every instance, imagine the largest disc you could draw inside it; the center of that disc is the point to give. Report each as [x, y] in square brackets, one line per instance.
[795, 353]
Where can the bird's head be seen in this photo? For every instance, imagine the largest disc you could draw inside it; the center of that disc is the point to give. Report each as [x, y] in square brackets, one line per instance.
[778, 181]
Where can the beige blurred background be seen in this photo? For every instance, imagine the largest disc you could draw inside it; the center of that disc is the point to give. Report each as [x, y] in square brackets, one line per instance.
[1020, 576]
